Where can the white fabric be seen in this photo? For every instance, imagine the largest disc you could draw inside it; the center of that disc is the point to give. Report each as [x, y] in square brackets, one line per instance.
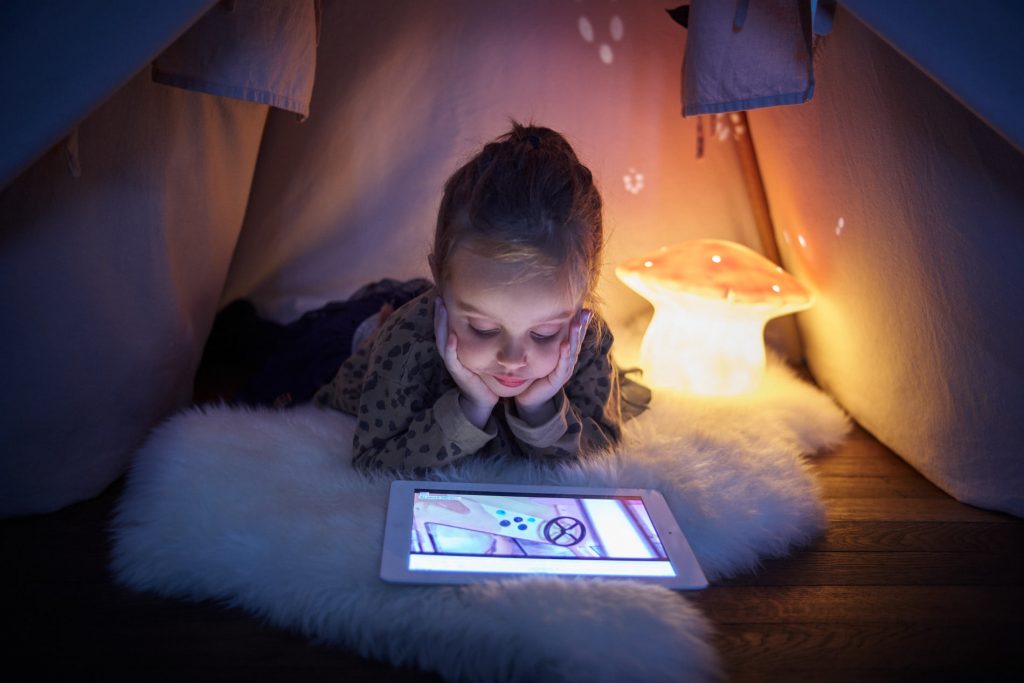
[903, 211]
[109, 284]
[407, 90]
[263, 510]
[744, 55]
[258, 50]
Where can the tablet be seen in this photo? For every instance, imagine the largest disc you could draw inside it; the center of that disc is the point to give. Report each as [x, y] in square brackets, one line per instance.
[449, 532]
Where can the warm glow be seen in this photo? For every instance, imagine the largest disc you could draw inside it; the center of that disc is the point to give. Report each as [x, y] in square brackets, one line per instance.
[711, 300]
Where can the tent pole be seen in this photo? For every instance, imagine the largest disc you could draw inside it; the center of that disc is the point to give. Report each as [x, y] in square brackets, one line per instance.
[755, 191]
[785, 329]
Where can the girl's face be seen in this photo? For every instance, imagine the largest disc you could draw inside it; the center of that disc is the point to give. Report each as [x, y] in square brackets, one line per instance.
[508, 334]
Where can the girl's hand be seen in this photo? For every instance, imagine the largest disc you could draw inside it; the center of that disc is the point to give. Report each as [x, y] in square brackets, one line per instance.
[477, 400]
[534, 405]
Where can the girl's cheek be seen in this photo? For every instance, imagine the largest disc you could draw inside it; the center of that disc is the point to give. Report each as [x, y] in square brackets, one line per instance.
[547, 358]
[471, 351]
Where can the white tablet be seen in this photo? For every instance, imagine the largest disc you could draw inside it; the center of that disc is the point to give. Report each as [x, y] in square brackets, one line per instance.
[448, 532]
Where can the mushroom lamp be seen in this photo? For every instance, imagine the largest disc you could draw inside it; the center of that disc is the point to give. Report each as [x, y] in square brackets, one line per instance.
[712, 299]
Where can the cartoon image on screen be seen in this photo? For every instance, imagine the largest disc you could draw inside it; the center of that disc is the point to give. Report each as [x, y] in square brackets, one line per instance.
[452, 523]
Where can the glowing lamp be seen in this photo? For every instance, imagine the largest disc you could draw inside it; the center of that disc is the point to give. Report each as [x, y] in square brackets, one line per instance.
[712, 299]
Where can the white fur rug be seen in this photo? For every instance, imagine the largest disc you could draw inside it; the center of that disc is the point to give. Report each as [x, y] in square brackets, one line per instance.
[261, 509]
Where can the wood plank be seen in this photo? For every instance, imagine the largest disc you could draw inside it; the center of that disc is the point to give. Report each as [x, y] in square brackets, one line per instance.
[910, 486]
[908, 510]
[861, 604]
[850, 463]
[815, 568]
[962, 537]
[860, 455]
[738, 673]
[825, 648]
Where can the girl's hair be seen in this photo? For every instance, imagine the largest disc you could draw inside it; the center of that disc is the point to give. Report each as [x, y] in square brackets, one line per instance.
[525, 199]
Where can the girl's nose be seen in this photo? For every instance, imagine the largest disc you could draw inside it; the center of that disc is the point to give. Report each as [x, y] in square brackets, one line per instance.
[512, 356]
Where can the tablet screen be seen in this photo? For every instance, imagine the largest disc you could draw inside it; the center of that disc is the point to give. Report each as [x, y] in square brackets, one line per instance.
[480, 531]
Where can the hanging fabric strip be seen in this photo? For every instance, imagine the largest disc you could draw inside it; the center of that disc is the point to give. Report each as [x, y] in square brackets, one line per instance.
[71, 154]
[700, 137]
[740, 17]
[747, 55]
[263, 51]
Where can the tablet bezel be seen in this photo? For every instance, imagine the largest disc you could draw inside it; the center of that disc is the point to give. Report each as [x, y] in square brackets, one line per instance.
[394, 566]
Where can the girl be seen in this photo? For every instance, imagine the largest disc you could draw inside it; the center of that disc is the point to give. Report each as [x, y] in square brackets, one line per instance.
[504, 356]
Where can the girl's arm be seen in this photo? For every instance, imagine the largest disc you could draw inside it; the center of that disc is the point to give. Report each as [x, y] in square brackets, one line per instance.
[587, 416]
[401, 427]
[406, 406]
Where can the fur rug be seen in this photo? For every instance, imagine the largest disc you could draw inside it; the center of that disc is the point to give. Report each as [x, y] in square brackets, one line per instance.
[262, 510]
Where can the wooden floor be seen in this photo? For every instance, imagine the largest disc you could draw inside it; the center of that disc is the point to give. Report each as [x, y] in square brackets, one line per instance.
[907, 584]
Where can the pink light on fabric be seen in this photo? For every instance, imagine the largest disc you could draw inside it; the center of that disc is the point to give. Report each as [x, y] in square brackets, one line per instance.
[712, 299]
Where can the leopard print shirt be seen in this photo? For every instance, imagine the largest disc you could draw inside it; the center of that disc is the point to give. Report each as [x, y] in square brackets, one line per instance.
[407, 404]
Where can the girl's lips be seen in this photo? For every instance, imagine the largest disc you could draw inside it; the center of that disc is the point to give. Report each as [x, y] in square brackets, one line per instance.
[510, 382]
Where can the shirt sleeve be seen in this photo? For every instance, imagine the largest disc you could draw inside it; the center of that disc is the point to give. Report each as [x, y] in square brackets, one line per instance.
[587, 414]
[402, 427]
[342, 392]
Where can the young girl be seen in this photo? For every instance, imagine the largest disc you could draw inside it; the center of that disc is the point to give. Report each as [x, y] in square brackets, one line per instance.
[505, 355]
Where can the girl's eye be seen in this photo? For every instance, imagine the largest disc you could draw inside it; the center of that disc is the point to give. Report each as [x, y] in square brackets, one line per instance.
[542, 338]
[483, 333]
